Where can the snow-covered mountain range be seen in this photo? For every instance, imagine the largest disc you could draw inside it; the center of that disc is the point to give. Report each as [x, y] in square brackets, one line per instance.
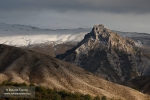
[24, 35]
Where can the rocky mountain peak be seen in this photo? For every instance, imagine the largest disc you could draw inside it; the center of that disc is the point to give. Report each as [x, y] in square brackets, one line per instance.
[99, 31]
[109, 55]
[109, 39]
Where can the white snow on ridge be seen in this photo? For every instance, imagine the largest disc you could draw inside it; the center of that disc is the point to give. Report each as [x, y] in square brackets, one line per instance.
[21, 35]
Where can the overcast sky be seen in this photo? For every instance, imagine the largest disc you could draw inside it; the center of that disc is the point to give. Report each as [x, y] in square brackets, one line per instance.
[121, 15]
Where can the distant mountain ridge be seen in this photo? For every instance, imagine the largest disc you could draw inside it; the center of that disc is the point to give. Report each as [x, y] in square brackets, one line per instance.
[23, 35]
[30, 35]
[109, 55]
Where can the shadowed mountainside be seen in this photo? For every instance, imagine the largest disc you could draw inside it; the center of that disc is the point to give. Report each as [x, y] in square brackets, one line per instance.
[20, 65]
[141, 83]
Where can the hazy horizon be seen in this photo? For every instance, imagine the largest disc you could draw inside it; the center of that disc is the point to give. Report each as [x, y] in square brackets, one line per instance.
[125, 15]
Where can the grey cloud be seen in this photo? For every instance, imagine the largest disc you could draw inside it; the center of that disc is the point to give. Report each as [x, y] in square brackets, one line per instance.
[114, 6]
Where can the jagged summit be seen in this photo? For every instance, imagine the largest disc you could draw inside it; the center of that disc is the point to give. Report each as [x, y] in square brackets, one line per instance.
[103, 36]
[98, 32]
[109, 55]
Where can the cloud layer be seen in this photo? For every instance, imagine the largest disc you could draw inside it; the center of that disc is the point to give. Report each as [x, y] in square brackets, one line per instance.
[122, 15]
[114, 6]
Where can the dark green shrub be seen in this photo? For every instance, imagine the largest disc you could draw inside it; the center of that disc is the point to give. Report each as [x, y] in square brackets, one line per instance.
[88, 97]
[104, 98]
[97, 98]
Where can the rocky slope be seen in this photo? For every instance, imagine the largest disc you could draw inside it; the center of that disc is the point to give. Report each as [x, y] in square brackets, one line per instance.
[51, 49]
[109, 55]
[20, 65]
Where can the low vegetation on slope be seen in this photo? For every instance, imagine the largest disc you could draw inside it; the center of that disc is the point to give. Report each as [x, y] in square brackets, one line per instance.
[42, 93]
